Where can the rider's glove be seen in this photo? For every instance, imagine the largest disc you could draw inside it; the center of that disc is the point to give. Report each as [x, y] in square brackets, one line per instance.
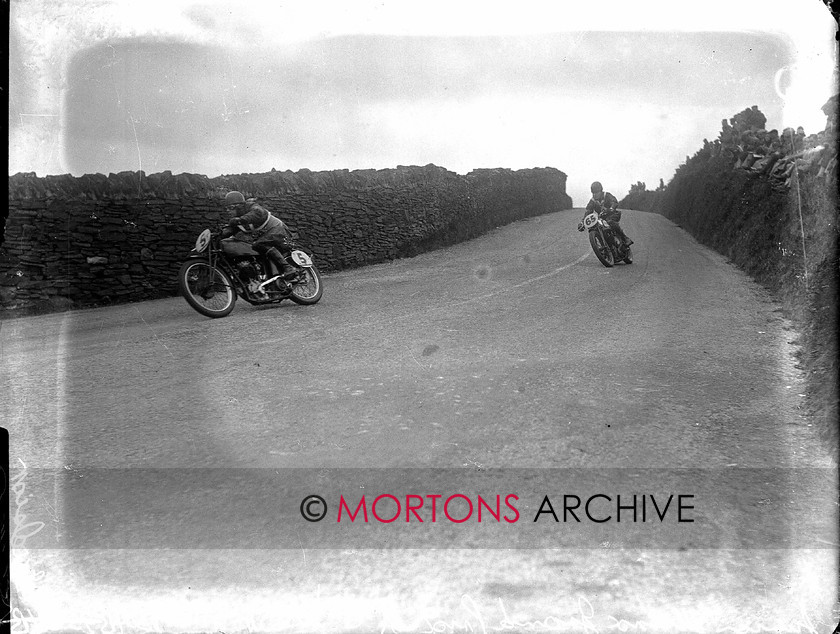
[227, 232]
[580, 226]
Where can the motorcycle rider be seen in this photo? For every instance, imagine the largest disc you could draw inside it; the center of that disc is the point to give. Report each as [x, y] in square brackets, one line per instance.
[606, 202]
[269, 233]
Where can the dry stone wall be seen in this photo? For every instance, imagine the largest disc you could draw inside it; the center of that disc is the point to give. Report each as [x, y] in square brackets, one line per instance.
[93, 240]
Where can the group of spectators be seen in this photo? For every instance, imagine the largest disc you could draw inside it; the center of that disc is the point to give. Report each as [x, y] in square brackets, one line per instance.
[744, 141]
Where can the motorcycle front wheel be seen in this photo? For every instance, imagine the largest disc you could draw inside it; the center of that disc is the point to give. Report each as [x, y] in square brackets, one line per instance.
[628, 256]
[309, 290]
[601, 248]
[207, 289]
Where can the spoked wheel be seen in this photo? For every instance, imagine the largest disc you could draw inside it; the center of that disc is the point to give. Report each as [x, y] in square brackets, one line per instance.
[206, 288]
[601, 248]
[309, 290]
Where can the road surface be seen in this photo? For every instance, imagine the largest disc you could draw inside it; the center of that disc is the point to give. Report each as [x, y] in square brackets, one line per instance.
[158, 457]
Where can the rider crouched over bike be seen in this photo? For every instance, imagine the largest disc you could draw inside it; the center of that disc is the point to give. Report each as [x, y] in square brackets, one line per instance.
[608, 204]
[268, 234]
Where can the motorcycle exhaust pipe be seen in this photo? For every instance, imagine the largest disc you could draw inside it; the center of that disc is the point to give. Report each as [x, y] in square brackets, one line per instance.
[268, 281]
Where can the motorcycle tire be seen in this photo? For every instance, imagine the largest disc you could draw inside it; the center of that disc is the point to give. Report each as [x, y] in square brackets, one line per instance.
[309, 292]
[601, 248]
[628, 257]
[207, 289]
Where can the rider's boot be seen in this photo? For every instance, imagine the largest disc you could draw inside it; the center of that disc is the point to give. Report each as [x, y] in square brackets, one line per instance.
[286, 269]
[623, 236]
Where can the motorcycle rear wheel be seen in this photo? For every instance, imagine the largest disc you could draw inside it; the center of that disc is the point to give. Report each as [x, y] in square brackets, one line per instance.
[309, 291]
[207, 289]
[601, 248]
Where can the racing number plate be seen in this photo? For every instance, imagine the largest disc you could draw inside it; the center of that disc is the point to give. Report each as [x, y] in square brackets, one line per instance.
[202, 241]
[590, 221]
[301, 258]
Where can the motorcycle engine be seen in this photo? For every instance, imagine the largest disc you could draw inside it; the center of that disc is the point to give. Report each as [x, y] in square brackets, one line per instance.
[248, 270]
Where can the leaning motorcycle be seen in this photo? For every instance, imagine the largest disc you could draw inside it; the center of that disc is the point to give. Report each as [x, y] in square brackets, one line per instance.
[220, 270]
[606, 243]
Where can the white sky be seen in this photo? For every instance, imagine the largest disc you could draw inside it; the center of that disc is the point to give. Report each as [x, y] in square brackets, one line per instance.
[364, 84]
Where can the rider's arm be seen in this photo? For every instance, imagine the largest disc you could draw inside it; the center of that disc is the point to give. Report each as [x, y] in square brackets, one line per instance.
[590, 206]
[253, 218]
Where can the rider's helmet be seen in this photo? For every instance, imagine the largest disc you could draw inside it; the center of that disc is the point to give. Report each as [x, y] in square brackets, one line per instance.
[597, 190]
[235, 202]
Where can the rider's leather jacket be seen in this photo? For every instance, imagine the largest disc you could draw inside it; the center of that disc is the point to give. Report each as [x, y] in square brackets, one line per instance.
[609, 205]
[259, 222]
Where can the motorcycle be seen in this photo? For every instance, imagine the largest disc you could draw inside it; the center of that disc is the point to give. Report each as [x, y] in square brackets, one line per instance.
[606, 243]
[220, 270]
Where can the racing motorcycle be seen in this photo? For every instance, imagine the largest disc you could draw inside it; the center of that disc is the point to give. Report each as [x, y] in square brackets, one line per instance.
[220, 270]
[607, 244]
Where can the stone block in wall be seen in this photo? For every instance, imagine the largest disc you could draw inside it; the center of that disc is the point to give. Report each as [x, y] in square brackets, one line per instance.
[113, 222]
[27, 284]
[112, 236]
[8, 294]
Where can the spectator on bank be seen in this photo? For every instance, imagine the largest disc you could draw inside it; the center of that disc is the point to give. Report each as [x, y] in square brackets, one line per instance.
[745, 144]
[765, 164]
[799, 140]
[727, 133]
[788, 137]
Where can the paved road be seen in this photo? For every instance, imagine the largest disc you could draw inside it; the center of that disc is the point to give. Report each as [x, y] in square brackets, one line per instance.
[512, 363]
